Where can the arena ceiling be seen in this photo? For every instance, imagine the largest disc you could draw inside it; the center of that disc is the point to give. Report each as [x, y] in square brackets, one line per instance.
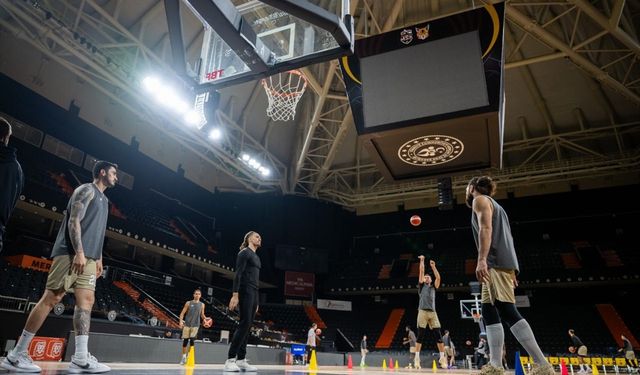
[572, 83]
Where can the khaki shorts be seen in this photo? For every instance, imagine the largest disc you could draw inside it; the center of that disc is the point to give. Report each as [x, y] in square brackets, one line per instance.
[630, 355]
[500, 287]
[61, 278]
[412, 349]
[189, 332]
[582, 351]
[448, 351]
[428, 318]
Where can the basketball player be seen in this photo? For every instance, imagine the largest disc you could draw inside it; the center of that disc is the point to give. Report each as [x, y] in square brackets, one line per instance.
[427, 315]
[582, 351]
[629, 354]
[245, 296]
[496, 270]
[194, 311]
[311, 341]
[448, 347]
[11, 177]
[411, 340]
[77, 263]
[363, 351]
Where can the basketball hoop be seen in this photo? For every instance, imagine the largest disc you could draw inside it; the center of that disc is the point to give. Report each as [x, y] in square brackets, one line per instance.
[476, 317]
[284, 90]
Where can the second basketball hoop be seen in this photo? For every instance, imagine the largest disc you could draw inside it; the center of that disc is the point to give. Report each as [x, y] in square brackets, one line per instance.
[284, 90]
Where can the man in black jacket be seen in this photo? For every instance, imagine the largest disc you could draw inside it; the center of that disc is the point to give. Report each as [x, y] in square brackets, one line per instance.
[11, 177]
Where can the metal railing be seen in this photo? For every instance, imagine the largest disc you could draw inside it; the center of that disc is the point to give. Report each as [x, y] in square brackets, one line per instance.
[13, 304]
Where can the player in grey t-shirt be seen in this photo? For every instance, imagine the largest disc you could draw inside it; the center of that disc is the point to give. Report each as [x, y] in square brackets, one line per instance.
[411, 340]
[77, 263]
[190, 318]
[496, 270]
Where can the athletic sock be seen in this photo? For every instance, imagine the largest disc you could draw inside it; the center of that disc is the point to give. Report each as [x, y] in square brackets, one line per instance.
[495, 337]
[82, 342]
[523, 333]
[23, 342]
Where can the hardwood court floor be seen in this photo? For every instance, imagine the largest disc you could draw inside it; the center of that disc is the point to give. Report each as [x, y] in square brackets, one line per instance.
[55, 368]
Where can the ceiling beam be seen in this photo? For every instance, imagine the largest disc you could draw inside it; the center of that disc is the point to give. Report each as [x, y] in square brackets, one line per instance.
[532, 27]
[608, 24]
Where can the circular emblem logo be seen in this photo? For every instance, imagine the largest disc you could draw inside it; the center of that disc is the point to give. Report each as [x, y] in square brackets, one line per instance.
[58, 308]
[111, 315]
[430, 150]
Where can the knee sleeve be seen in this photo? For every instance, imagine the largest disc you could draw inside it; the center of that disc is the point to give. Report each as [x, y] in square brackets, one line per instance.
[422, 337]
[437, 335]
[490, 314]
[192, 341]
[508, 312]
[185, 342]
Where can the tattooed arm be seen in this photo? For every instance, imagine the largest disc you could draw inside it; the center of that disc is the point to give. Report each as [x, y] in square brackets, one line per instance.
[79, 202]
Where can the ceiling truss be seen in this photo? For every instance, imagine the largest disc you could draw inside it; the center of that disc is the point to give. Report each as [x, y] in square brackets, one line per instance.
[610, 57]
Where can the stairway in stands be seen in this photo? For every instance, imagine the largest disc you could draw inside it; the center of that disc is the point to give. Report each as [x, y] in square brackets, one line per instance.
[152, 308]
[389, 331]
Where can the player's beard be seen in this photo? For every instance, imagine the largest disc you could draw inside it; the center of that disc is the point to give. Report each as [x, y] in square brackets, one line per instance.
[470, 200]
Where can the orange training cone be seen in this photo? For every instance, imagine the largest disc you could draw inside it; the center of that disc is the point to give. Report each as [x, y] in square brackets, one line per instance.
[349, 362]
[390, 363]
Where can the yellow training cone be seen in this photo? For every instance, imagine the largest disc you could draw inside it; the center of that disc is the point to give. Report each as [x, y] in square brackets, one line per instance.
[191, 358]
[435, 367]
[594, 370]
[313, 363]
[384, 364]
[396, 364]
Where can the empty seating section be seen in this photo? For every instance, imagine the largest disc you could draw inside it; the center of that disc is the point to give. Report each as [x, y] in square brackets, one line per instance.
[287, 318]
[30, 284]
[138, 212]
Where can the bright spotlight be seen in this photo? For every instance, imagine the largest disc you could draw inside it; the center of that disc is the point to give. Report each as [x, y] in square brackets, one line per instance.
[245, 157]
[192, 118]
[151, 84]
[215, 134]
[180, 106]
[265, 171]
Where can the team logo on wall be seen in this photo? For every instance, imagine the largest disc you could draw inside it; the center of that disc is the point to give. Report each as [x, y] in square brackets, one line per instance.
[422, 32]
[112, 315]
[406, 36]
[430, 150]
[56, 349]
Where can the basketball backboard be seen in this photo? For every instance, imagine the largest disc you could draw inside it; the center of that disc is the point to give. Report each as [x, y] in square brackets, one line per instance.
[296, 33]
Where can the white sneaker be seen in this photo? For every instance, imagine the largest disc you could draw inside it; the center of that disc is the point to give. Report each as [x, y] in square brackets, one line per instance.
[183, 360]
[231, 366]
[20, 362]
[416, 363]
[245, 366]
[88, 365]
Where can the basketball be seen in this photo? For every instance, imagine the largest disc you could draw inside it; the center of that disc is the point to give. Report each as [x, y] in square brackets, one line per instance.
[207, 322]
[572, 349]
[415, 220]
[318, 331]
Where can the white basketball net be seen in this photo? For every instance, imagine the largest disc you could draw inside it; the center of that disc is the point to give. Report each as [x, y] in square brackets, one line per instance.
[284, 90]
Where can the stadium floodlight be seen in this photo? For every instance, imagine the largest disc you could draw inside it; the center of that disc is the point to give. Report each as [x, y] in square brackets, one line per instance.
[151, 83]
[215, 134]
[245, 157]
[193, 118]
[265, 171]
